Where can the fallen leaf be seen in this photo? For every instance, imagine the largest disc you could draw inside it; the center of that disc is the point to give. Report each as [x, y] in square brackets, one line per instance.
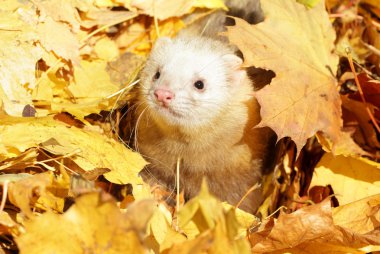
[310, 230]
[371, 90]
[7, 224]
[13, 177]
[125, 68]
[93, 224]
[351, 179]
[106, 49]
[344, 146]
[160, 8]
[57, 37]
[160, 224]
[209, 4]
[169, 8]
[367, 216]
[161, 234]
[352, 42]
[217, 229]
[135, 38]
[245, 220]
[309, 3]
[302, 98]
[359, 110]
[60, 10]
[88, 149]
[41, 190]
[101, 17]
[19, 56]
[87, 87]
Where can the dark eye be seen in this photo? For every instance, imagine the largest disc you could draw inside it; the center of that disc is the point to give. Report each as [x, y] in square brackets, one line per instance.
[157, 75]
[199, 85]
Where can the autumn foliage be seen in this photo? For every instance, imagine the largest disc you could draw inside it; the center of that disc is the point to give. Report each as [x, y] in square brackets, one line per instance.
[70, 183]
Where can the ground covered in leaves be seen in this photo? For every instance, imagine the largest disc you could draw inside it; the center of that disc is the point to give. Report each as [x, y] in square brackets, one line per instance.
[70, 184]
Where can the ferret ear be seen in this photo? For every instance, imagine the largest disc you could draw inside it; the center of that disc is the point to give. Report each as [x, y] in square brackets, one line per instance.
[232, 61]
[162, 41]
[236, 73]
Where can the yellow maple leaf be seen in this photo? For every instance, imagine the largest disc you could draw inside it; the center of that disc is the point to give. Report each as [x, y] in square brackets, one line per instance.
[106, 49]
[51, 192]
[303, 38]
[366, 217]
[58, 37]
[164, 9]
[61, 10]
[138, 41]
[210, 4]
[91, 92]
[105, 3]
[93, 224]
[18, 60]
[92, 82]
[214, 225]
[88, 149]
[351, 179]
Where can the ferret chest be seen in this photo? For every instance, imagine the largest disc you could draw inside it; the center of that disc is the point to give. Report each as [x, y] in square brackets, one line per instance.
[203, 153]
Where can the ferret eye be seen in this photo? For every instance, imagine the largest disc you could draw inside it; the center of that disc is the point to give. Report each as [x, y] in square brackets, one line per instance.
[157, 75]
[199, 85]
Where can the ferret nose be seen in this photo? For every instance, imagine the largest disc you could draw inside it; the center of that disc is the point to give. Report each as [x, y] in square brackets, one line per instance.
[164, 96]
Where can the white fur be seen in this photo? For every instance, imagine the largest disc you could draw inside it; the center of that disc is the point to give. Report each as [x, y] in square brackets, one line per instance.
[181, 62]
[211, 131]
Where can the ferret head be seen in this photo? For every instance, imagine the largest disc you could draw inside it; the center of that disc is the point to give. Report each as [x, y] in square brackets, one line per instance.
[189, 81]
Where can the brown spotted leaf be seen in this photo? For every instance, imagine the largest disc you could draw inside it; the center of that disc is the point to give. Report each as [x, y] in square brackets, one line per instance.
[295, 42]
[321, 229]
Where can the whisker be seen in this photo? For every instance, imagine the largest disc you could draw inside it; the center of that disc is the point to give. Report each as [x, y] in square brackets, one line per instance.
[136, 127]
[134, 108]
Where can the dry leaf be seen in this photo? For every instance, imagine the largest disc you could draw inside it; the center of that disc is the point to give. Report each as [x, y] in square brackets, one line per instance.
[101, 17]
[371, 90]
[18, 59]
[162, 9]
[94, 224]
[311, 230]
[42, 39]
[60, 10]
[351, 179]
[106, 49]
[359, 110]
[6, 223]
[367, 216]
[210, 4]
[296, 43]
[220, 227]
[57, 37]
[41, 190]
[92, 82]
[136, 39]
[88, 149]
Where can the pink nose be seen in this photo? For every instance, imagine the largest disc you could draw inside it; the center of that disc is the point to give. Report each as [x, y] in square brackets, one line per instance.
[164, 96]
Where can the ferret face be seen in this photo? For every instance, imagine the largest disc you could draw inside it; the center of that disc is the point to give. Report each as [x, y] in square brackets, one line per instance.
[188, 83]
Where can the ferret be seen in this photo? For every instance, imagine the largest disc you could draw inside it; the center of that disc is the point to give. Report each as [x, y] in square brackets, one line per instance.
[196, 105]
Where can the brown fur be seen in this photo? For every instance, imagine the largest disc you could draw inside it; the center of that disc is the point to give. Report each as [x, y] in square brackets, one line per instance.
[228, 152]
[223, 147]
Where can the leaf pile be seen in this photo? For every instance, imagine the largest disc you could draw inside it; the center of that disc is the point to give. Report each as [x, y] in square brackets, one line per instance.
[70, 185]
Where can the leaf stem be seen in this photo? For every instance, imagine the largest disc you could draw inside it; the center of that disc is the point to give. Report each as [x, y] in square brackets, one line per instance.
[349, 56]
[254, 187]
[177, 183]
[4, 196]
